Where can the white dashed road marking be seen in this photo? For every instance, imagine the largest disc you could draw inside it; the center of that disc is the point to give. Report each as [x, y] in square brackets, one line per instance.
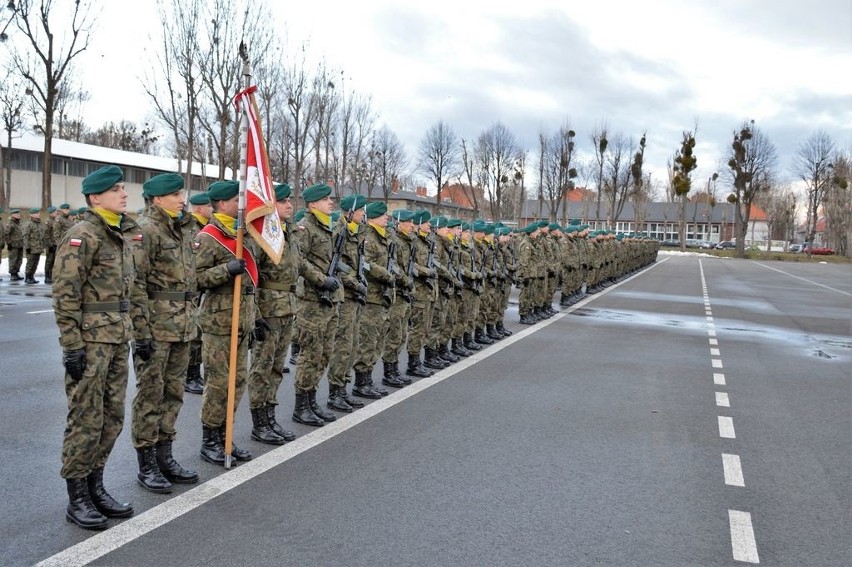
[733, 470]
[742, 537]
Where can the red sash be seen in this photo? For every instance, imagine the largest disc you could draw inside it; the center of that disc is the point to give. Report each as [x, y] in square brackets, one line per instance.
[230, 244]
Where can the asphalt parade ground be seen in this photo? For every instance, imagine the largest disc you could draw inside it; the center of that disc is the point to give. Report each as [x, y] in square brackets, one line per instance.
[696, 413]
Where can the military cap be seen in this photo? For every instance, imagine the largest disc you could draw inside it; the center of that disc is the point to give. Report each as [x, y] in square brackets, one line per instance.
[574, 222]
[200, 199]
[390, 224]
[316, 192]
[488, 229]
[64, 206]
[376, 209]
[352, 203]
[163, 184]
[453, 222]
[403, 215]
[282, 191]
[554, 226]
[51, 209]
[421, 216]
[465, 225]
[223, 190]
[439, 221]
[14, 211]
[478, 225]
[335, 216]
[299, 215]
[35, 211]
[1, 210]
[102, 179]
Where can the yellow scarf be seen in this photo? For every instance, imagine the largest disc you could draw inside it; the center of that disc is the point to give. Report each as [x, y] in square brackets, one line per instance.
[111, 218]
[227, 221]
[353, 227]
[172, 214]
[200, 218]
[323, 218]
[380, 229]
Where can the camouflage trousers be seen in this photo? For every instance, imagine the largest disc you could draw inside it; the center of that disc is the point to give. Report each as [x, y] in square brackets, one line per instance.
[419, 324]
[95, 409]
[48, 262]
[346, 342]
[268, 358]
[449, 328]
[460, 324]
[397, 329]
[486, 305]
[439, 320]
[16, 257]
[472, 304]
[32, 264]
[526, 301]
[372, 328]
[216, 353]
[159, 393]
[502, 301]
[317, 329]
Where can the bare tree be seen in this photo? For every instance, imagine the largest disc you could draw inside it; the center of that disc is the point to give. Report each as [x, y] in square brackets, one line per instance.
[838, 205]
[752, 162]
[469, 167]
[438, 156]
[556, 169]
[47, 63]
[11, 111]
[496, 150]
[390, 160]
[325, 103]
[297, 92]
[599, 143]
[685, 163]
[623, 178]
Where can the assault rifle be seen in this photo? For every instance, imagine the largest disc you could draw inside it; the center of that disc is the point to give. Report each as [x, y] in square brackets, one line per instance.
[494, 263]
[448, 288]
[476, 286]
[362, 267]
[339, 241]
[393, 268]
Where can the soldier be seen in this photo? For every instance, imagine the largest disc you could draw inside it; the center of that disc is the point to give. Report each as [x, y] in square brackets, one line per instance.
[163, 329]
[442, 320]
[201, 212]
[276, 303]
[51, 239]
[35, 244]
[317, 308]
[15, 243]
[381, 294]
[93, 293]
[457, 307]
[425, 290]
[216, 266]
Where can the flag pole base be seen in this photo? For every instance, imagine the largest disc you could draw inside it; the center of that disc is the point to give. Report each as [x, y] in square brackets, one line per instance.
[227, 461]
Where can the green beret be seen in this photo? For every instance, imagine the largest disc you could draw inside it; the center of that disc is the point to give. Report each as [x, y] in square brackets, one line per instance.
[403, 215]
[574, 222]
[102, 179]
[200, 199]
[64, 206]
[35, 211]
[465, 225]
[1, 210]
[421, 216]
[14, 211]
[554, 226]
[439, 221]
[282, 192]
[479, 225]
[352, 203]
[376, 209]
[316, 192]
[51, 210]
[163, 184]
[453, 222]
[223, 190]
[335, 216]
[299, 215]
[489, 228]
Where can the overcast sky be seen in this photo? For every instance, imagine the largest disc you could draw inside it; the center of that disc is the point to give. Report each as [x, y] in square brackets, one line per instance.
[655, 66]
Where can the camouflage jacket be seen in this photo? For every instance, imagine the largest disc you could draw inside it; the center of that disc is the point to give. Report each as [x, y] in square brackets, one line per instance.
[217, 285]
[276, 296]
[61, 224]
[379, 280]
[525, 259]
[94, 296]
[316, 247]
[404, 283]
[36, 237]
[424, 287]
[165, 274]
[347, 270]
[14, 234]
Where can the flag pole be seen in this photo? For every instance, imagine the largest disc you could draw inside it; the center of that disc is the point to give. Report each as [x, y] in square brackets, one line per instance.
[238, 280]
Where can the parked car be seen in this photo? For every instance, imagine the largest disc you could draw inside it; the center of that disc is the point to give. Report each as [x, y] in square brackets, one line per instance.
[818, 250]
[726, 245]
[670, 242]
[795, 248]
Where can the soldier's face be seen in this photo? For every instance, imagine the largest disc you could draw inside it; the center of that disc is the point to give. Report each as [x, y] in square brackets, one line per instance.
[230, 207]
[113, 199]
[358, 216]
[381, 220]
[324, 205]
[205, 211]
[173, 202]
[284, 208]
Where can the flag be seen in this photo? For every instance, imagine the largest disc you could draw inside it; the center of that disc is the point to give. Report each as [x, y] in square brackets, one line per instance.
[261, 217]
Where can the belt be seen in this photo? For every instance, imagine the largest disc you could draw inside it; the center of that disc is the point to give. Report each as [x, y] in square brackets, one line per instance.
[247, 290]
[172, 295]
[278, 286]
[122, 306]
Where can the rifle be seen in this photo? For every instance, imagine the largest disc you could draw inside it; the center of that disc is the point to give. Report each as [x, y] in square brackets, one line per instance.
[448, 289]
[362, 266]
[339, 241]
[494, 264]
[477, 284]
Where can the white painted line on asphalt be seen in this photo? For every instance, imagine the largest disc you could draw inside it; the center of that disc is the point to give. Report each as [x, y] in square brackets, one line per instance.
[804, 279]
[742, 537]
[42, 311]
[711, 333]
[709, 318]
[711, 325]
[713, 341]
[718, 379]
[716, 363]
[722, 400]
[733, 470]
[726, 427]
[714, 352]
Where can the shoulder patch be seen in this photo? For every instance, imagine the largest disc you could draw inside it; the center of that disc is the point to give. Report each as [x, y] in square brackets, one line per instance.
[75, 242]
[137, 237]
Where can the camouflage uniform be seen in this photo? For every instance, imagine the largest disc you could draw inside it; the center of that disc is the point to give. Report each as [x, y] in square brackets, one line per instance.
[398, 314]
[92, 295]
[15, 243]
[425, 293]
[194, 380]
[35, 244]
[380, 297]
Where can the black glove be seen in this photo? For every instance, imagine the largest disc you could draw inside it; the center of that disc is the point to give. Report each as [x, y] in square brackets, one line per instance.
[526, 281]
[236, 267]
[361, 289]
[144, 348]
[330, 283]
[261, 329]
[75, 363]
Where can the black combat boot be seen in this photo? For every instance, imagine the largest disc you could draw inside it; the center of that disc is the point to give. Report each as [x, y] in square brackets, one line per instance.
[470, 343]
[318, 411]
[336, 400]
[102, 500]
[260, 430]
[48, 280]
[354, 402]
[170, 467]
[401, 377]
[294, 353]
[81, 510]
[149, 475]
[526, 319]
[236, 452]
[445, 353]
[302, 412]
[502, 329]
[30, 280]
[481, 337]
[458, 348]
[212, 446]
[363, 387]
[416, 368]
[389, 379]
[492, 333]
[275, 426]
[16, 278]
[432, 361]
[194, 382]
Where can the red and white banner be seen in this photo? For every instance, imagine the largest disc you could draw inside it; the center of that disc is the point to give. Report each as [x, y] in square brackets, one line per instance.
[261, 218]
